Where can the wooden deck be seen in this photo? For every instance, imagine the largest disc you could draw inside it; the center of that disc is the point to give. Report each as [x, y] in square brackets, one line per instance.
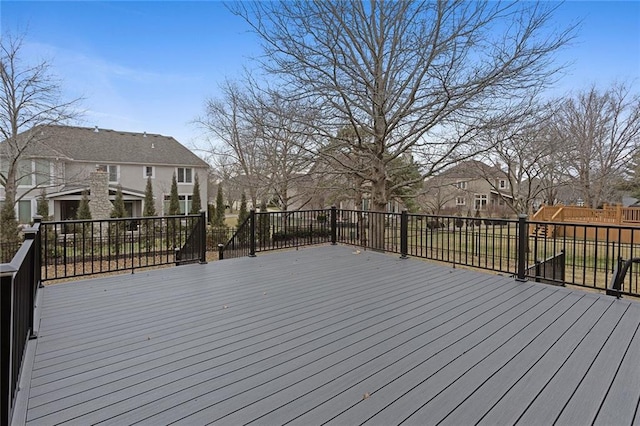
[331, 335]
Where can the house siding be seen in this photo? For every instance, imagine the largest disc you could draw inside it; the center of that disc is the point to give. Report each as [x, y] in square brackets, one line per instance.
[70, 175]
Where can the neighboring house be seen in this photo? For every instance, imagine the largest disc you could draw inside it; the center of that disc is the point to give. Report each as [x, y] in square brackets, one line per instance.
[468, 187]
[63, 161]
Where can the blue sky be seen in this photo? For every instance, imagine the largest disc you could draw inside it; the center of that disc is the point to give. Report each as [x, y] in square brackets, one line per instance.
[150, 66]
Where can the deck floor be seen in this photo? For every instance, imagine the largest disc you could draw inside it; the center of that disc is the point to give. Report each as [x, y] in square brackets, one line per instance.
[332, 335]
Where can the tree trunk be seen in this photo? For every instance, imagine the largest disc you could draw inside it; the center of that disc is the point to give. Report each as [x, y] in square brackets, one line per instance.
[362, 228]
[377, 217]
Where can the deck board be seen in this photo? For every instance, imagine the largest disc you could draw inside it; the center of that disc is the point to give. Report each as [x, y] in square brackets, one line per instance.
[330, 334]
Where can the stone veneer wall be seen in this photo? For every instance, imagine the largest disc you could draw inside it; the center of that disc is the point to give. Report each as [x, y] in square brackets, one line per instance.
[99, 203]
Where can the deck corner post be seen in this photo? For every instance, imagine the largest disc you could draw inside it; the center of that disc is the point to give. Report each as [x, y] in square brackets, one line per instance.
[203, 237]
[252, 238]
[618, 276]
[404, 234]
[522, 248]
[220, 251]
[334, 226]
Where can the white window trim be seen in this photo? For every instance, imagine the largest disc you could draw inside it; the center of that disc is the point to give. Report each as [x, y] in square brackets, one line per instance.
[480, 197]
[463, 203]
[503, 184]
[32, 209]
[461, 184]
[187, 197]
[50, 174]
[117, 174]
[144, 172]
[32, 175]
[192, 175]
[109, 173]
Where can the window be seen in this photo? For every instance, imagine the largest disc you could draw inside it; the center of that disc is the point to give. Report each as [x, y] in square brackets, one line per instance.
[31, 172]
[460, 201]
[43, 172]
[112, 170]
[185, 175]
[184, 200]
[503, 184]
[480, 202]
[365, 204]
[148, 172]
[461, 185]
[24, 211]
[25, 173]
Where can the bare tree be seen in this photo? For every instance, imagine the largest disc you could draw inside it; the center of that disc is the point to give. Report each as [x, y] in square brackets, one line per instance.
[600, 131]
[30, 98]
[421, 78]
[261, 139]
[284, 144]
[234, 142]
[527, 154]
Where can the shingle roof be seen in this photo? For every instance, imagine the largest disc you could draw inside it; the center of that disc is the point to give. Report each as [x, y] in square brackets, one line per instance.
[472, 169]
[112, 146]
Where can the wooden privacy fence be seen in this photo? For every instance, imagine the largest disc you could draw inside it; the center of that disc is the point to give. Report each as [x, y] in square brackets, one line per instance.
[567, 215]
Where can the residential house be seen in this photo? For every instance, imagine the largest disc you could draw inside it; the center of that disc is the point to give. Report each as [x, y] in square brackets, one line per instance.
[64, 161]
[466, 188]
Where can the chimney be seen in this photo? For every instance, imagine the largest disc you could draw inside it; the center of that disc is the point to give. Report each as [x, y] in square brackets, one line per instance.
[99, 203]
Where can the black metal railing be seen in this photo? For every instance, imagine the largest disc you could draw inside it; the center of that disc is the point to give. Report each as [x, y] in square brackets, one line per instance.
[550, 270]
[619, 274]
[19, 283]
[279, 230]
[218, 235]
[8, 250]
[238, 244]
[194, 249]
[560, 253]
[78, 248]
[266, 231]
[591, 252]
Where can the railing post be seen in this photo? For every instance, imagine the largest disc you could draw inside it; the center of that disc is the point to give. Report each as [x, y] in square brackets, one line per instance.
[37, 224]
[220, 251]
[131, 245]
[252, 237]
[334, 226]
[31, 234]
[522, 248]
[203, 237]
[404, 234]
[618, 276]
